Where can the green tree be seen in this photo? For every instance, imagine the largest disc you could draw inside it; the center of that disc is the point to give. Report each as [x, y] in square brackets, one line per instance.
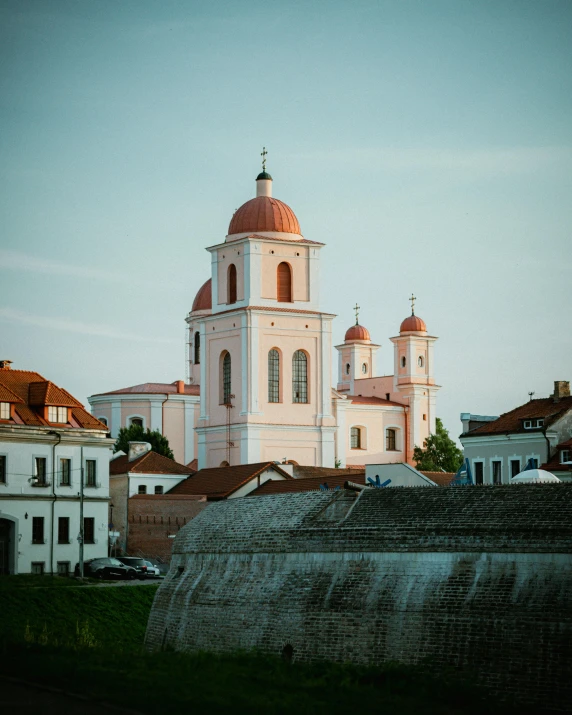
[440, 453]
[136, 433]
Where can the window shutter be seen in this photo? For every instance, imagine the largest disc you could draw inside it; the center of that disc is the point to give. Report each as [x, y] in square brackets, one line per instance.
[284, 283]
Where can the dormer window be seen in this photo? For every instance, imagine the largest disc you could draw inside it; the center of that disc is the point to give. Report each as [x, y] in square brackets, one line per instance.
[58, 414]
[565, 456]
[4, 410]
[533, 424]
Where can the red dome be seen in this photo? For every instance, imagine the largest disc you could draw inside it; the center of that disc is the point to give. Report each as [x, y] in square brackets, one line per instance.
[203, 299]
[264, 214]
[413, 324]
[357, 332]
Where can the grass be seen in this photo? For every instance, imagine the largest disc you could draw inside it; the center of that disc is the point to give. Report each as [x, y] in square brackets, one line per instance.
[89, 641]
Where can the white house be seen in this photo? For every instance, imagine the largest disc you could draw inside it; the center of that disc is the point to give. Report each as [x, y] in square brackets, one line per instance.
[47, 442]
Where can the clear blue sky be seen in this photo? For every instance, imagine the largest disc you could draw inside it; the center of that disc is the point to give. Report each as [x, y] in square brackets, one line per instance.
[428, 144]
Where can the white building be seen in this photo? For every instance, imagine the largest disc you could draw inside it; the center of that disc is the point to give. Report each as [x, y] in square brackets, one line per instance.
[47, 441]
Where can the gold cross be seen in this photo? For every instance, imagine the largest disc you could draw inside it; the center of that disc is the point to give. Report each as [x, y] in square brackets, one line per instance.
[356, 309]
[263, 154]
[412, 299]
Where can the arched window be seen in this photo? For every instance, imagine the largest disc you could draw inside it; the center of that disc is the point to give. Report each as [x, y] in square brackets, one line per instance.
[299, 377]
[364, 368]
[103, 419]
[136, 421]
[355, 438]
[403, 361]
[231, 283]
[420, 361]
[224, 464]
[284, 280]
[347, 368]
[390, 440]
[225, 378]
[273, 376]
[197, 348]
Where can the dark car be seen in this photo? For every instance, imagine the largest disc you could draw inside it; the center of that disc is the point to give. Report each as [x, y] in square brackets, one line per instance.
[138, 564]
[107, 568]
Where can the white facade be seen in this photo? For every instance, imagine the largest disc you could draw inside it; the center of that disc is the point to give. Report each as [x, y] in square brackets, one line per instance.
[34, 534]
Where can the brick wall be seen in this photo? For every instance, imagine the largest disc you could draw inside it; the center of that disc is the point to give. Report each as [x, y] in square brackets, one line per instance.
[155, 519]
[478, 578]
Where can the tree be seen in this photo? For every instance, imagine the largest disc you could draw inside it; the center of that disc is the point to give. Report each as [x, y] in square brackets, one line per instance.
[441, 454]
[136, 433]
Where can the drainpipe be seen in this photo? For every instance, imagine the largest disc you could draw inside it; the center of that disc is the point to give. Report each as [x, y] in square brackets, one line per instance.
[406, 439]
[548, 455]
[54, 497]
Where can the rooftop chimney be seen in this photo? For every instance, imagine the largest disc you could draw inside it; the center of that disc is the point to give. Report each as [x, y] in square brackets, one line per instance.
[181, 387]
[5, 364]
[561, 389]
[136, 449]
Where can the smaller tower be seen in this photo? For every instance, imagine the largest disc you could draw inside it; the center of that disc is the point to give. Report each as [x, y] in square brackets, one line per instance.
[356, 356]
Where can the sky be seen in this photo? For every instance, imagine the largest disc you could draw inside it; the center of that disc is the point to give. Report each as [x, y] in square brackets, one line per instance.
[428, 144]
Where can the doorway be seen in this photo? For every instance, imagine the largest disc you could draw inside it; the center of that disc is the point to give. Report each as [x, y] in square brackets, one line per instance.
[6, 547]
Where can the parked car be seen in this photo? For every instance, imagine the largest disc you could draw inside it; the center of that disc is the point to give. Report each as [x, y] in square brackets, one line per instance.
[106, 568]
[152, 570]
[138, 564]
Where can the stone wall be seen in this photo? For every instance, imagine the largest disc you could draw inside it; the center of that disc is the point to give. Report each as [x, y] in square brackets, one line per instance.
[477, 578]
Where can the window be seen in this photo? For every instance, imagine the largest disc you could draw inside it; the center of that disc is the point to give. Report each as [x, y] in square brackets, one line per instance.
[479, 473]
[364, 368]
[141, 489]
[65, 472]
[4, 410]
[90, 472]
[532, 424]
[390, 444]
[533, 463]
[497, 472]
[274, 376]
[226, 379]
[58, 414]
[37, 530]
[403, 361]
[37, 568]
[63, 530]
[355, 438]
[420, 361]
[284, 280]
[41, 471]
[231, 283]
[514, 467]
[63, 568]
[424, 417]
[158, 490]
[299, 377]
[197, 348]
[89, 530]
[347, 368]
[565, 456]
[527, 424]
[387, 395]
[103, 419]
[136, 421]
[2, 469]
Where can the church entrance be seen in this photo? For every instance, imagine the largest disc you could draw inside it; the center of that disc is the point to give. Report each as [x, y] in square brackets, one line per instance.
[6, 546]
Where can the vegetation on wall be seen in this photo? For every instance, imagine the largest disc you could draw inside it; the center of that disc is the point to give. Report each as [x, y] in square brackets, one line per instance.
[440, 454]
[135, 433]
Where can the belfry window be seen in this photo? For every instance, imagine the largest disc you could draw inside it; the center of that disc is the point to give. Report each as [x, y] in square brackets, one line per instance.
[274, 376]
[225, 379]
[355, 438]
[420, 361]
[299, 377]
[197, 348]
[284, 280]
[347, 368]
[403, 361]
[390, 444]
[231, 283]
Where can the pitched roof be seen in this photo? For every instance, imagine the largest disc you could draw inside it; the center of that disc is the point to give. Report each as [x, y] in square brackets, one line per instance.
[6, 395]
[306, 472]
[153, 388]
[148, 463]
[309, 484]
[364, 400]
[442, 479]
[34, 392]
[546, 408]
[553, 464]
[220, 482]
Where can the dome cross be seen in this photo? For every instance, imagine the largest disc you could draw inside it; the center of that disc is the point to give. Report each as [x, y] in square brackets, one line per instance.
[357, 309]
[263, 154]
[412, 299]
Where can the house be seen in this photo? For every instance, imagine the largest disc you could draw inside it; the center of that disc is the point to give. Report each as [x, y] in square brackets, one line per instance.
[560, 464]
[498, 449]
[54, 465]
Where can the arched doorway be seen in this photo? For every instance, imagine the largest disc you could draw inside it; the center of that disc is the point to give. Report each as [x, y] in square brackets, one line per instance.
[7, 547]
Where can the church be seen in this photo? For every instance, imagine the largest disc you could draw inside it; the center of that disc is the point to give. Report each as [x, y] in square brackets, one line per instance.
[260, 374]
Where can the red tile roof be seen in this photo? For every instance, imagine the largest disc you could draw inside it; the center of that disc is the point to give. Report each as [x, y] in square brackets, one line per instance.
[443, 479]
[545, 408]
[220, 482]
[264, 213]
[359, 400]
[311, 484]
[6, 395]
[148, 463]
[193, 464]
[34, 392]
[307, 472]
[153, 388]
[553, 464]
